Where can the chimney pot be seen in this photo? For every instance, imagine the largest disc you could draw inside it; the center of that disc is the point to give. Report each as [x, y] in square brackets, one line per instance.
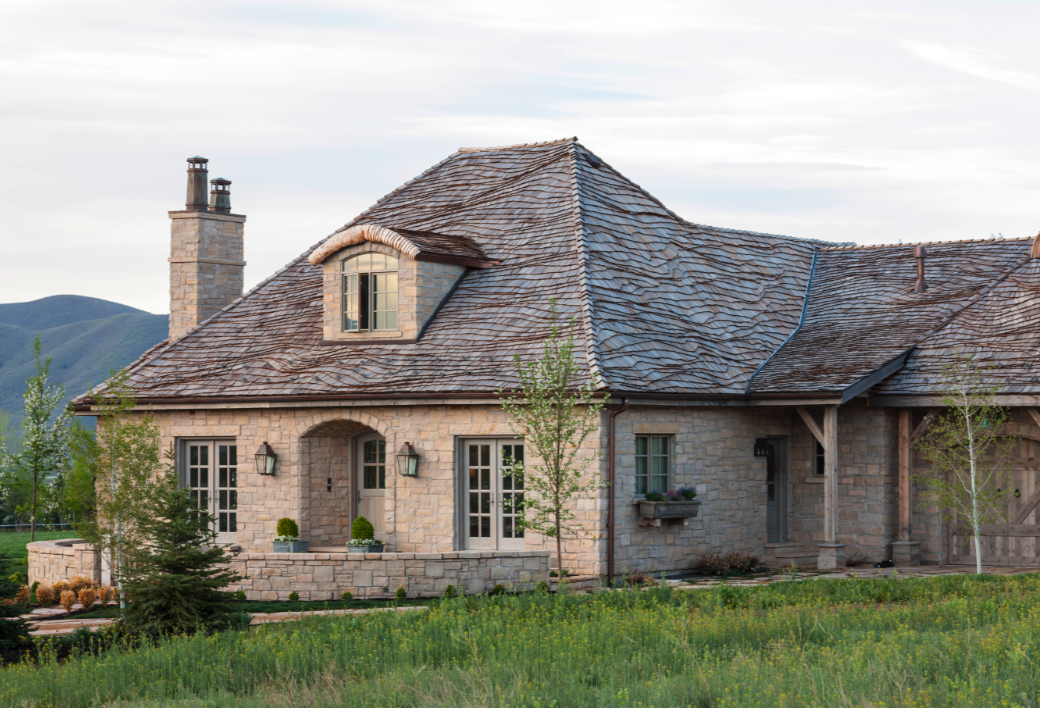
[197, 175]
[919, 253]
[220, 197]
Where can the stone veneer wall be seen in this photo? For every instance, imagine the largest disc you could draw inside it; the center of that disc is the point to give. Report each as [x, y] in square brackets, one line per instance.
[206, 266]
[325, 576]
[50, 561]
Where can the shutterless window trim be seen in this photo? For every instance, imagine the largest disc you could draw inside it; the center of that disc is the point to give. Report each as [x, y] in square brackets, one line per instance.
[369, 291]
[653, 463]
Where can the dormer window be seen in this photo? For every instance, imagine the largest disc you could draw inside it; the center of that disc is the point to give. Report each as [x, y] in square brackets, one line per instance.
[370, 293]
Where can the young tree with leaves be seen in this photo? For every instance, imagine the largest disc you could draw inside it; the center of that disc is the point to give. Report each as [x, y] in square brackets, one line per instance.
[969, 450]
[32, 473]
[177, 578]
[554, 413]
[127, 464]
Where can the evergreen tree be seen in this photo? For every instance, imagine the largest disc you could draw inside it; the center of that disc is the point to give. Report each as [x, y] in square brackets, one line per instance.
[13, 630]
[175, 579]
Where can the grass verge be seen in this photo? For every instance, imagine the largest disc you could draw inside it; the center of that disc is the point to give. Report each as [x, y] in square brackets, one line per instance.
[949, 641]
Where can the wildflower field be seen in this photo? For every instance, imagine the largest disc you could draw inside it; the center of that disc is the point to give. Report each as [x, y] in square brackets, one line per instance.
[947, 641]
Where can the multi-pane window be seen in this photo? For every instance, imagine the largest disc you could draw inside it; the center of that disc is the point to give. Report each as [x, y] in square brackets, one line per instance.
[369, 292]
[373, 464]
[653, 461]
[818, 460]
[210, 475]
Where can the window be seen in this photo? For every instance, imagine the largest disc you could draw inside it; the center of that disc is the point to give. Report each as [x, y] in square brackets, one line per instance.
[374, 464]
[652, 463]
[210, 475]
[369, 293]
[818, 460]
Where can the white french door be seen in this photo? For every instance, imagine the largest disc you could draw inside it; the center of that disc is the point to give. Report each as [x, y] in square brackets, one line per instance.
[493, 500]
[210, 474]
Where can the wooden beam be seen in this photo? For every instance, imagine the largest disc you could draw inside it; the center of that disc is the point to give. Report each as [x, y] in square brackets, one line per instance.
[1035, 414]
[923, 425]
[905, 466]
[830, 479]
[811, 424]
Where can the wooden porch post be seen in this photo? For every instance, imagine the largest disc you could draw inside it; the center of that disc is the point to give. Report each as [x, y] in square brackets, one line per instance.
[832, 553]
[904, 551]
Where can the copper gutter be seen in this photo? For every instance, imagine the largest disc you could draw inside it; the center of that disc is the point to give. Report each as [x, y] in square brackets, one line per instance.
[610, 489]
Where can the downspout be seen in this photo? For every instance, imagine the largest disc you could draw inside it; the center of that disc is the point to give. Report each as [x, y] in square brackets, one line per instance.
[610, 490]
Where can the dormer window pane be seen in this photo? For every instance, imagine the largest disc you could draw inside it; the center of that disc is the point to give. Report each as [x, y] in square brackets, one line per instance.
[370, 293]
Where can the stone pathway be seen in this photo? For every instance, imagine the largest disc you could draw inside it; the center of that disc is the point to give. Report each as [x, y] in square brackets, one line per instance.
[919, 571]
[52, 627]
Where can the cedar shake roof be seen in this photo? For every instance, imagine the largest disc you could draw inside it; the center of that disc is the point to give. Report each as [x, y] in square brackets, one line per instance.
[661, 305]
[862, 314]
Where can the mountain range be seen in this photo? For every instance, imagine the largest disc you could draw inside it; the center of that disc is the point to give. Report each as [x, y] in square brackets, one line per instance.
[85, 338]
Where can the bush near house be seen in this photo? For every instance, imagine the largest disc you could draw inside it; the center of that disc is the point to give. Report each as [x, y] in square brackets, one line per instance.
[890, 642]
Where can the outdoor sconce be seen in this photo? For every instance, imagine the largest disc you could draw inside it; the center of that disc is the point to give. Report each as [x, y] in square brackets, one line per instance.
[408, 461]
[762, 447]
[265, 458]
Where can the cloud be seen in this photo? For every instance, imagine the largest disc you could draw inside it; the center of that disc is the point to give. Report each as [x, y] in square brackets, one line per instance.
[974, 62]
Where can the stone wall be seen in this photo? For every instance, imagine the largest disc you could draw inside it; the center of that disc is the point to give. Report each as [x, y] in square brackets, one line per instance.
[50, 561]
[326, 576]
[206, 266]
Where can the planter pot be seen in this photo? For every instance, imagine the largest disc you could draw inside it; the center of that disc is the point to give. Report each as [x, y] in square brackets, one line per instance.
[371, 548]
[668, 509]
[290, 546]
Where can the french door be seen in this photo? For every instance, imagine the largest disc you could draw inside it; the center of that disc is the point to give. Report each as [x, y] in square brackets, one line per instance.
[371, 482]
[210, 474]
[493, 500]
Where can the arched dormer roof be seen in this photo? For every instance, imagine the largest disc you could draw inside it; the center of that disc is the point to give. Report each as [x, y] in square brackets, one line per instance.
[417, 245]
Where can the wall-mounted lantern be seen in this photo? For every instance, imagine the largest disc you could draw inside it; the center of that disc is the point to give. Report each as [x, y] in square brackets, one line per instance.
[762, 447]
[408, 461]
[265, 459]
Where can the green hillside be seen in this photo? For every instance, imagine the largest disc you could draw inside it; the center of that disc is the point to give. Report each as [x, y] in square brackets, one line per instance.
[85, 338]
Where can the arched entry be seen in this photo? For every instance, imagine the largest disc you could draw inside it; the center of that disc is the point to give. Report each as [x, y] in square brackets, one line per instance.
[334, 474]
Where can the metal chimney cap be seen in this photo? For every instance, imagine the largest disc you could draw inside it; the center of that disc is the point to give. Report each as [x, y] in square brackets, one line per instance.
[920, 251]
[198, 159]
[220, 180]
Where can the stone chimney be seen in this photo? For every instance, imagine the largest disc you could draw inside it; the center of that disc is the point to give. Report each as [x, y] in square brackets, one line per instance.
[206, 266]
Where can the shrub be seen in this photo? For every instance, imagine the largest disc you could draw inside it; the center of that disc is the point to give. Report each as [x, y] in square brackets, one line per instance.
[87, 597]
[68, 599]
[402, 594]
[32, 592]
[640, 580]
[105, 594]
[499, 589]
[712, 564]
[59, 587]
[294, 596]
[346, 596]
[450, 592]
[361, 529]
[177, 579]
[18, 578]
[287, 529]
[23, 594]
[78, 582]
[240, 596]
[45, 594]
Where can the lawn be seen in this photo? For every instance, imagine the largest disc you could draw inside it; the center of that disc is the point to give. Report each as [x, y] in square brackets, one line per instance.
[948, 641]
[13, 545]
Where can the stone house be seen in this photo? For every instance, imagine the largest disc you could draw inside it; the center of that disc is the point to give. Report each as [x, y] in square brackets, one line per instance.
[783, 378]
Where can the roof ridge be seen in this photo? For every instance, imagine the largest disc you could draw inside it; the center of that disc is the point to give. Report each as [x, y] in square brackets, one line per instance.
[517, 146]
[801, 239]
[619, 173]
[931, 243]
[591, 342]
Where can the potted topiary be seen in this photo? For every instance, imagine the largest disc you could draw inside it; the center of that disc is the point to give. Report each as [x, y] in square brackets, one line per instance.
[288, 538]
[362, 537]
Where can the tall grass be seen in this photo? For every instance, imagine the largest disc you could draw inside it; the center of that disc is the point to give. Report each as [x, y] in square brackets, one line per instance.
[955, 641]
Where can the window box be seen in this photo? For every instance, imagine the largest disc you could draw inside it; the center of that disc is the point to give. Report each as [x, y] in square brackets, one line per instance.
[651, 513]
[370, 548]
[290, 546]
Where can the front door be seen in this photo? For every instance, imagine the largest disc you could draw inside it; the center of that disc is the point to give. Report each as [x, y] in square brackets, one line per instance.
[371, 481]
[493, 500]
[776, 492]
[209, 471]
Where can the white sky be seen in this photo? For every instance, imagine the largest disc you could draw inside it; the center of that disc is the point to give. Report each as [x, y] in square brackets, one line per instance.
[913, 120]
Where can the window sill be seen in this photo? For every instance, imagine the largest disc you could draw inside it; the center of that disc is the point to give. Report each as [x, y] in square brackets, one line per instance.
[815, 479]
